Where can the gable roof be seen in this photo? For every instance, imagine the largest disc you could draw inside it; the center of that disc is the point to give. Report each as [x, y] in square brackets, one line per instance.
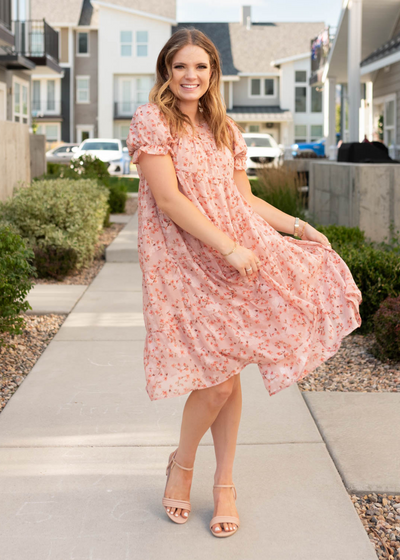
[252, 50]
[54, 12]
[219, 35]
[388, 48]
[166, 8]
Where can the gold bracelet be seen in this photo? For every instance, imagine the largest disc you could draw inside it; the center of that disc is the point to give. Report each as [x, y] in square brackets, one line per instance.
[296, 226]
[230, 253]
[302, 231]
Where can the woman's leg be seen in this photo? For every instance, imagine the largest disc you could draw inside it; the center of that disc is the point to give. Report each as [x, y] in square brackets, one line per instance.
[201, 409]
[224, 431]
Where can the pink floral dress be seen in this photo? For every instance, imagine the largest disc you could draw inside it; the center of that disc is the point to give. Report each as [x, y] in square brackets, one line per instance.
[204, 321]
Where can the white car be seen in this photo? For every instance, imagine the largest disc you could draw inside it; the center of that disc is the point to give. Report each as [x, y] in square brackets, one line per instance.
[262, 150]
[108, 150]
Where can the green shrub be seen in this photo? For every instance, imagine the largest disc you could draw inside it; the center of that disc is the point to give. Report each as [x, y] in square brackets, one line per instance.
[59, 213]
[15, 283]
[54, 262]
[374, 267]
[281, 188]
[387, 330]
[130, 183]
[90, 167]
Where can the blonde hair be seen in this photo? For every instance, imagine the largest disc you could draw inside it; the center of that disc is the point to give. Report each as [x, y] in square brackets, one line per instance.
[211, 103]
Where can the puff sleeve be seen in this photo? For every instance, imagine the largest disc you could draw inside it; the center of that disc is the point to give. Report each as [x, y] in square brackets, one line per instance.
[149, 133]
[239, 149]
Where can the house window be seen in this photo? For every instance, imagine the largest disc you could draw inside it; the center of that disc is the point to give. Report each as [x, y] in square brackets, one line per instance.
[51, 95]
[316, 132]
[20, 102]
[262, 88]
[141, 43]
[301, 100]
[300, 133]
[389, 123]
[126, 43]
[269, 87]
[51, 131]
[82, 43]
[82, 89]
[254, 128]
[132, 91]
[255, 86]
[301, 76]
[316, 100]
[35, 95]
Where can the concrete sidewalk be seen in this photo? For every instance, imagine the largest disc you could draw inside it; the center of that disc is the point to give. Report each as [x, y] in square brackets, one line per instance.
[83, 453]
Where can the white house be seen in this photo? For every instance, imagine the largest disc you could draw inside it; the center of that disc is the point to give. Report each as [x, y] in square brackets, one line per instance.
[266, 68]
[129, 42]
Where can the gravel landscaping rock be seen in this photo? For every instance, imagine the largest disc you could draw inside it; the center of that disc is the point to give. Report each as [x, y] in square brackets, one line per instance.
[18, 360]
[354, 368]
[379, 513]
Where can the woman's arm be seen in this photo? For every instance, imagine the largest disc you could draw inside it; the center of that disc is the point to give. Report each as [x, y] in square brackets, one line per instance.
[160, 175]
[276, 218]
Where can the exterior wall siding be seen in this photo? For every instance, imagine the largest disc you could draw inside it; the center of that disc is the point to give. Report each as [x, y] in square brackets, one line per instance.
[387, 83]
[112, 64]
[66, 105]
[86, 113]
[241, 93]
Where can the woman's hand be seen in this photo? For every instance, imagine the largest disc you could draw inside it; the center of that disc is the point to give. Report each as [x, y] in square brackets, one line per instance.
[312, 234]
[242, 259]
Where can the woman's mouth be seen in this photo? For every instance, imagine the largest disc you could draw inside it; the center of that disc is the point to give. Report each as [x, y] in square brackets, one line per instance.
[189, 87]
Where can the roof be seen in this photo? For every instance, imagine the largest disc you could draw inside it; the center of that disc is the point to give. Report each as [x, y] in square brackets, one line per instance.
[219, 35]
[255, 113]
[253, 50]
[57, 12]
[383, 51]
[166, 8]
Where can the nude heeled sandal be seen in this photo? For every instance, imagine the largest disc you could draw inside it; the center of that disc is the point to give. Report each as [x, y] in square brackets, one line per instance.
[225, 518]
[170, 502]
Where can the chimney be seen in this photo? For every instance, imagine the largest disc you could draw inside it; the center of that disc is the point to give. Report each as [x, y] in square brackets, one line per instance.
[246, 16]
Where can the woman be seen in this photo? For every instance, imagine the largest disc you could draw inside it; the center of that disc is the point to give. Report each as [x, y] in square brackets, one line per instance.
[222, 288]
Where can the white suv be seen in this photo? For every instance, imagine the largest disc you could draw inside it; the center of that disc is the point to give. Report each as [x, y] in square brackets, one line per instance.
[108, 150]
[262, 150]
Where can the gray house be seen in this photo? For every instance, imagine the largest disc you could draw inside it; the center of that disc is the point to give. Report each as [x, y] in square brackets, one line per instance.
[266, 67]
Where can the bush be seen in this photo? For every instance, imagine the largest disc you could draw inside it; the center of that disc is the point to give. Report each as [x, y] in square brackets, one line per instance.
[15, 271]
[281, 188]
[375, 268]
[90, 167]
[59, 213]
[387, 330]
[54, 262]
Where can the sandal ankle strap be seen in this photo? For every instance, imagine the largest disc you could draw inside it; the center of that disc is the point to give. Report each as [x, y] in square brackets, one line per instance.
[184, 468]
[173, 462]
[227, 486]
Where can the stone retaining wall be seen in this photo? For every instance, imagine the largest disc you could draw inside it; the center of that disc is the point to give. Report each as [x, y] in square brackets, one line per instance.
[355, 194]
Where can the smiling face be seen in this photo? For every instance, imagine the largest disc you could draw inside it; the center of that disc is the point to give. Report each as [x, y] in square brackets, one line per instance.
[191, 73]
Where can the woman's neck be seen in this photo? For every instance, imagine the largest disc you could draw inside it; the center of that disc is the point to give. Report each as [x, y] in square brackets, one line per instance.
[191, 109]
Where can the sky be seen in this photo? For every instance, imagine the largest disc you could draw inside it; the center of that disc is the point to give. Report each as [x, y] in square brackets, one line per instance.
[262, 10]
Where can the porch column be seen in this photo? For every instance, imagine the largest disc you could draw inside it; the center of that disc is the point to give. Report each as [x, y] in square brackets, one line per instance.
[330, 117]
[353, 68]
[369, 125]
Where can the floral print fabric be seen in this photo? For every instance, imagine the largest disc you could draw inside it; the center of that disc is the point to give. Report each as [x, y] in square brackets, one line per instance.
[204, 321]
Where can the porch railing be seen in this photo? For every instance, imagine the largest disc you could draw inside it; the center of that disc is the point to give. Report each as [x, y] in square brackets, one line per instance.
[35, 38]
[126, 109]
[320, 47]
[5, 13]
[49, 107]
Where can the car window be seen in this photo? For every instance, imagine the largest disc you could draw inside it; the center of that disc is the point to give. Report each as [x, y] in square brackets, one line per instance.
[100, 146]
[61, 150]
[254, 142]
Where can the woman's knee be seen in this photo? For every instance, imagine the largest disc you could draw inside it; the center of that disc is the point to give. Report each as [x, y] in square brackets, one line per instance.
[219, 394]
